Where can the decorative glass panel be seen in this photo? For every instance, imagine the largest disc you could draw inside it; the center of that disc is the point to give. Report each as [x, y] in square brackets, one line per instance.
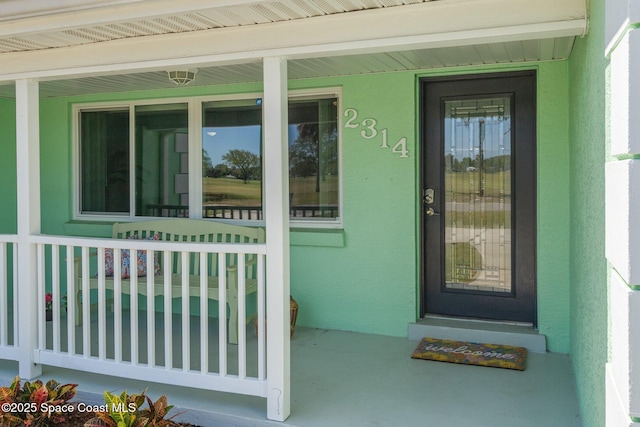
[477, 208]
[162, 160]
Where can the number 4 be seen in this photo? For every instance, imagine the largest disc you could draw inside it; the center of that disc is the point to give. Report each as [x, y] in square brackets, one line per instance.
[401, 148]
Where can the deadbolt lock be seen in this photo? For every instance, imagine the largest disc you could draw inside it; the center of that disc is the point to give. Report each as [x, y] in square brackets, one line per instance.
[428, 195]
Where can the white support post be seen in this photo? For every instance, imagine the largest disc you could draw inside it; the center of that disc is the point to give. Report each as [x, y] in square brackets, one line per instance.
[195, 158]
[276, 214]
[28, 165]
[622, 207]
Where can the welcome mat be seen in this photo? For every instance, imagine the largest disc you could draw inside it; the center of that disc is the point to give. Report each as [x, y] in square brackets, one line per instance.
[468, 353]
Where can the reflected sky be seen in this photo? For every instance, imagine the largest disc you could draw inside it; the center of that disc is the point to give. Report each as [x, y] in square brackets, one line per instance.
[217, 141]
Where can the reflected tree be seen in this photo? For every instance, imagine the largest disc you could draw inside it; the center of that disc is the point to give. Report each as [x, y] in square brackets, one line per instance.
[243, 164]
[313, 153]
[207, 165]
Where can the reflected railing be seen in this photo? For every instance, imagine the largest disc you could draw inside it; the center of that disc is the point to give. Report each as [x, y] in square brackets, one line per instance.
[241, 212]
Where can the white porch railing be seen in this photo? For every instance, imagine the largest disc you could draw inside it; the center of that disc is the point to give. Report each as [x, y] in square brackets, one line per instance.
[141, 333]
[8, 297]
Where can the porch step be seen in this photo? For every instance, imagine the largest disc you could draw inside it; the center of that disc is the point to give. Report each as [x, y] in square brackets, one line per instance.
[480, 331]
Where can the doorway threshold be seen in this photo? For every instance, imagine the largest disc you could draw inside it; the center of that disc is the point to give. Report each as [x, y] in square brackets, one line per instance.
[479, 331]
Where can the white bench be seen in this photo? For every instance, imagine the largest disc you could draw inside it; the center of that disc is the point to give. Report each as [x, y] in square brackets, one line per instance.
[185, 230]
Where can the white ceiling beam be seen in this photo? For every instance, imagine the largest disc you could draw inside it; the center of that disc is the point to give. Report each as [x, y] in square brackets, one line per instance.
[420, 26]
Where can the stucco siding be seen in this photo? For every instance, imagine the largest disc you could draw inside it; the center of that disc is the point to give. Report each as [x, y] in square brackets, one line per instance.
[588, 266]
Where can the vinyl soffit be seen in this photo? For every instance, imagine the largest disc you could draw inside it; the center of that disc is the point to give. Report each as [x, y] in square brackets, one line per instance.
[205, 19]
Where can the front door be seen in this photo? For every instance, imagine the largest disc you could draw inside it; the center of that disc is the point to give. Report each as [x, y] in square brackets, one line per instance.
[479, 196]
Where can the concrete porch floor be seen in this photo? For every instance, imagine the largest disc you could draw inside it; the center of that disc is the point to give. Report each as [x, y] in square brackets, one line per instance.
[350, 379]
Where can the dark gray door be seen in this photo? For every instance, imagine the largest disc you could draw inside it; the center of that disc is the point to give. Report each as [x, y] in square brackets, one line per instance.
[479, 196]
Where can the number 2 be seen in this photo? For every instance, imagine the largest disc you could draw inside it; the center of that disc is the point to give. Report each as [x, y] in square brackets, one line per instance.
[350, 121]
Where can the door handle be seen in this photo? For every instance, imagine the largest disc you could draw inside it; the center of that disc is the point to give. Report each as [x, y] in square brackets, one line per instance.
[431, 212]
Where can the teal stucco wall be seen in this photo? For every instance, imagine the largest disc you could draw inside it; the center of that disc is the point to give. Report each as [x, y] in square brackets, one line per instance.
[588, 134]
[364, 277]
[553, 206]
[371, 285]
[8, 191]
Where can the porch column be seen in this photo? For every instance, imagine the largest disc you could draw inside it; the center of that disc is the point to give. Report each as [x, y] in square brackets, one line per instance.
[276, 215]
[28, 175]
[622, 187]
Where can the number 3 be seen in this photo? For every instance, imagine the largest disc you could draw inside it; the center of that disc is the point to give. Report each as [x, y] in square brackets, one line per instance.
[371, 125]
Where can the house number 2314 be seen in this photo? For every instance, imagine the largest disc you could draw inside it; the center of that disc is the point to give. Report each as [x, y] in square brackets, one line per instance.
[370, 131]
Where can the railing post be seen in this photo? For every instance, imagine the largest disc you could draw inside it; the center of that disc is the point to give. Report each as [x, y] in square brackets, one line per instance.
[276, 214]
[28, 188]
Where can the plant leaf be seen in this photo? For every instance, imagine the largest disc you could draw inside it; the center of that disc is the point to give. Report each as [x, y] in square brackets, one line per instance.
[66, 392]
[40, 396]
[118, 409]
[99, 422]
[52, 385]
[12, 419]
[138, 399]
[15, 384]
[160, 407]
[6, 394]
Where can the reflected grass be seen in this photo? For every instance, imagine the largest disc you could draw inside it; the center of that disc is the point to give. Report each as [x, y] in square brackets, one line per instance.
[231, 191]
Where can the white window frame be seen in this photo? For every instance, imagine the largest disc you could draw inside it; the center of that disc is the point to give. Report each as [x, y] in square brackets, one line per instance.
[195, 155]
[77, 176]
[311, 94]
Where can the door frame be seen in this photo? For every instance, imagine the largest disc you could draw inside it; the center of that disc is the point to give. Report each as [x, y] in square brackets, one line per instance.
[532, 163]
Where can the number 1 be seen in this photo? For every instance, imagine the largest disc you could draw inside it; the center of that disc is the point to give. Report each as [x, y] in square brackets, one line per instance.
[384, 139]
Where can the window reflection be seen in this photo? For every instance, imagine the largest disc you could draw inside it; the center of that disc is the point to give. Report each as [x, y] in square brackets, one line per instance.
[313, 159]
[232, 160]
[162, 160]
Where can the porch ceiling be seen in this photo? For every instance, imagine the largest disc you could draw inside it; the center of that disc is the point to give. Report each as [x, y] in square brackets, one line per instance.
[365, 36]
[496, 53]
[69, 23]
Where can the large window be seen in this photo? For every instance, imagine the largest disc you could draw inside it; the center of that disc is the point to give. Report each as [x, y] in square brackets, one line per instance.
[221, 141]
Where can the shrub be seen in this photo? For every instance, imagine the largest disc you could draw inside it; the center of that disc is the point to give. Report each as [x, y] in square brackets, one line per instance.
[126, 411]
[31, 405]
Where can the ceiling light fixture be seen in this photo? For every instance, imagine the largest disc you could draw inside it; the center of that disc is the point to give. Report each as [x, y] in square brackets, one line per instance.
[182, 77]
